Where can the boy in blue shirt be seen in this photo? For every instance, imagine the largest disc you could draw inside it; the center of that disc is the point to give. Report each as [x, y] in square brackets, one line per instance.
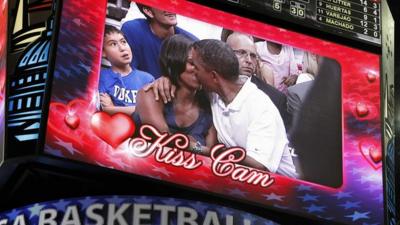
[119, 84]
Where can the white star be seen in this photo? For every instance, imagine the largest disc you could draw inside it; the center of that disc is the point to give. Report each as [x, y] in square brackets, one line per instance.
[103, 165]
[274, 196]
[171, 201]
[303, 187]
[162, 170]
[143, 199]
[155, 177]
[119, 162]
[200, 184]
[35, 210]
[60, 205]
[77, 22]
[342, 194]
[355, 171]
[86, 202]
[67, 146]
[375, 177]
[201, 207]
[237, 192]
[115, 199]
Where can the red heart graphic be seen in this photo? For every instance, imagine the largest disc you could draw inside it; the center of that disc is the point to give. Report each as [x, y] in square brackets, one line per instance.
[112, 129]
[375, 154]
[362, 109]
[371, 77]
[371, 152]
[82, 138]
[72, 121]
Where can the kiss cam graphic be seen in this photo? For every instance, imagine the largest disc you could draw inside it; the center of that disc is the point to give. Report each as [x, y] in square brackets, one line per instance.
[76, 130]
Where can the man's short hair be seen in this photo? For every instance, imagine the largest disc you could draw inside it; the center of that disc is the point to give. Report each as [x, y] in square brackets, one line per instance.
[141, 9]
[218, 56]
[225, 33]
[111, 29]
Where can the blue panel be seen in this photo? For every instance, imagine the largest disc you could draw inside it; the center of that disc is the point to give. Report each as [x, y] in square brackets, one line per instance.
[15, 124]
[33, 126]
[27, 118]
[32, 86]
[19, 103]
[36, 67]
[37, 77]
[29, 79]
[27, 137]
[35, 57]
[13, 84]
[26, 113]
[10, 106]
[45, 54]
[28, 102]
[25, 94]
[21, 81]
[27, 56]
[38, 98]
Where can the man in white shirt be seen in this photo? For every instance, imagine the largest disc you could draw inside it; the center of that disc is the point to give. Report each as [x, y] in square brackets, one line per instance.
[242, 114]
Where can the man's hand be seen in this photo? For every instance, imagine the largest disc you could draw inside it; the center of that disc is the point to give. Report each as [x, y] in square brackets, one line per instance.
[105, 100]
[162, 87]
[290, 81]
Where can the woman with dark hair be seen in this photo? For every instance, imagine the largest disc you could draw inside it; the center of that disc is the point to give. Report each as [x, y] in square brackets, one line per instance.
[189, 112]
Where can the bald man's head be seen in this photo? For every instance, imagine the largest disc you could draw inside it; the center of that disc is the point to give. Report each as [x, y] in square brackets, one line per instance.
[245, 50]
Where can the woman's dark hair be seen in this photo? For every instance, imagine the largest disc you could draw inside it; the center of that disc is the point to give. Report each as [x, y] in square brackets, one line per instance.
[173, 57]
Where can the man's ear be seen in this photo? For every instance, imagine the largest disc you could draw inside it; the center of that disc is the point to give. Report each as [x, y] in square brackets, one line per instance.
[148, 12]
[214, 76]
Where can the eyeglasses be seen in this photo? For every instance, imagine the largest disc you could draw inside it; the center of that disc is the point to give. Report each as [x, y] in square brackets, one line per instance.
[241, 53]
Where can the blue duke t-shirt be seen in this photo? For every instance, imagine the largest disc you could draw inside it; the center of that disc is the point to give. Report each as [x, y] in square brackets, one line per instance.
[146, 46]
[123, 90]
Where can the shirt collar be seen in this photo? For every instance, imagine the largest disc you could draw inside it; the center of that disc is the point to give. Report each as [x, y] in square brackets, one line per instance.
[241, 96]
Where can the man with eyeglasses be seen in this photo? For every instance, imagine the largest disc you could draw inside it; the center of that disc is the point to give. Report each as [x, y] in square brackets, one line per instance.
[244, 48]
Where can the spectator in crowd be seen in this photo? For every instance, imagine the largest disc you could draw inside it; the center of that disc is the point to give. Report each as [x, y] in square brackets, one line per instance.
[146, 35]
[119, 84]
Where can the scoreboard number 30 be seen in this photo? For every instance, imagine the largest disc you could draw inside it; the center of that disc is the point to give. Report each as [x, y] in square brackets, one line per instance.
[297, 9]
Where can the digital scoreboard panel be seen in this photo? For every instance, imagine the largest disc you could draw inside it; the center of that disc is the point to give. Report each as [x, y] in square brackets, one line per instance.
[355, 19]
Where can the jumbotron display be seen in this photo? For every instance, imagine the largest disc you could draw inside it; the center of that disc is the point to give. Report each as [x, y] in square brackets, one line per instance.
[187, 94]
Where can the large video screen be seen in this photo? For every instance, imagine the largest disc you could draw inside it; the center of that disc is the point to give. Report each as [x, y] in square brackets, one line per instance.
[191, 95]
